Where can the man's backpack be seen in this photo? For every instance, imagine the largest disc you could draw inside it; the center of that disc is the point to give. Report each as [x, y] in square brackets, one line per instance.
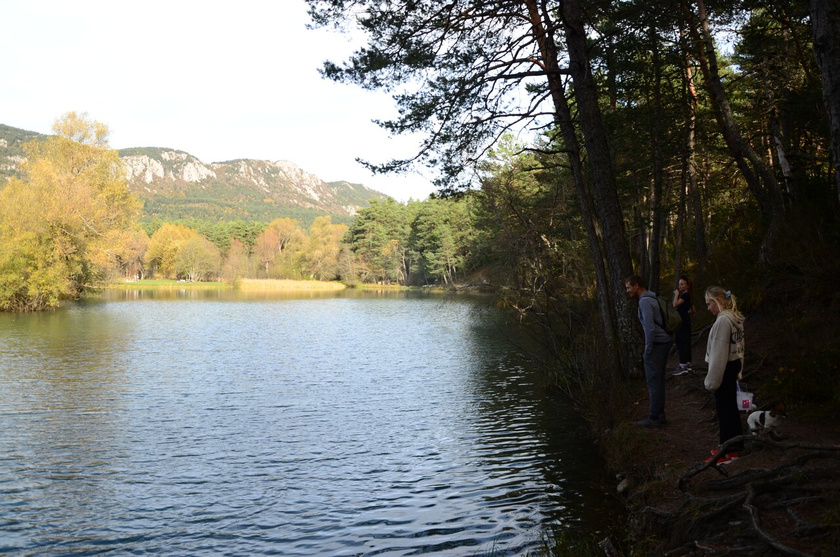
[671, 318]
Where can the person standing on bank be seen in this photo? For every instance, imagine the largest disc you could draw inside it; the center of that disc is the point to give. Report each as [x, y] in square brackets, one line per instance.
[684, 304]
[657, 347]
[725, 356]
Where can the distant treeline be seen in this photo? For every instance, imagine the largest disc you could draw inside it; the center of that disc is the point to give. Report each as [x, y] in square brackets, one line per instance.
[424, 242]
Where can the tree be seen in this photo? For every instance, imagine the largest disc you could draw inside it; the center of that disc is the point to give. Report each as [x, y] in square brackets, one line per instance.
[128, 253]
[267, 249]
[379, 239]
[60, 219]
[441, 236]
[657, 126]
[825, 18]
[529, 224]
[165, 247]
[275, 245]
[198, 259]
[235, 264]
[323, 248]
[760, 179]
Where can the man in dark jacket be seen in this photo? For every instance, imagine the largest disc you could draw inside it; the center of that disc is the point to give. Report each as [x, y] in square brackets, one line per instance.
[657, 347]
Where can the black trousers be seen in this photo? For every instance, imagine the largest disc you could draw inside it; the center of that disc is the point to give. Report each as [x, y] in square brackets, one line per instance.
[683, 340]
[726, 400]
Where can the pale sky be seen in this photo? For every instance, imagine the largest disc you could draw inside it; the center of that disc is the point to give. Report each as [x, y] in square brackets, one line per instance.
[220, 80]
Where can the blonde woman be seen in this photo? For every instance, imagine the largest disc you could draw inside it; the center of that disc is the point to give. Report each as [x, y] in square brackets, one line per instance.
[725, 356]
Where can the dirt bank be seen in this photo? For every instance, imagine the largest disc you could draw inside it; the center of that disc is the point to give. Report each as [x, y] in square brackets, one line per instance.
[782, 497]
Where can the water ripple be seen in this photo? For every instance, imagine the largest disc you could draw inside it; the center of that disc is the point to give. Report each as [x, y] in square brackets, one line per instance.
[319, 427]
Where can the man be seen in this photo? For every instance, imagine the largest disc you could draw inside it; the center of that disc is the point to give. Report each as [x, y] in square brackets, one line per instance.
[657, 347]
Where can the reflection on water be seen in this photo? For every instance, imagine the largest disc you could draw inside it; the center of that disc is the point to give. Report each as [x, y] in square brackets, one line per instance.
[343, 424]
[227, 294]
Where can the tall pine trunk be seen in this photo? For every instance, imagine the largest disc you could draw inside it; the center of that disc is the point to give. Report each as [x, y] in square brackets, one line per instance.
[603, 182]
[694, 203]
[825, 19]
[755, 171]
[563, 118]
[657, 215]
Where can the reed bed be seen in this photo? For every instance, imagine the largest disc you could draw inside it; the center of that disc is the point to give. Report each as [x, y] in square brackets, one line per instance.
[274, 285]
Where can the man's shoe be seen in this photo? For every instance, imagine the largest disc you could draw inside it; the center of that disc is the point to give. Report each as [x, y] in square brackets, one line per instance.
[650, 422]
[682, 369]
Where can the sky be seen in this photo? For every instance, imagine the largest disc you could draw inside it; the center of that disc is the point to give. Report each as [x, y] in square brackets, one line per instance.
[220, 80]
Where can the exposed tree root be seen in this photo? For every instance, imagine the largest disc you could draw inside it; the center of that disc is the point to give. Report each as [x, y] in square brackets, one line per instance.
[755, 515]
[778, 509]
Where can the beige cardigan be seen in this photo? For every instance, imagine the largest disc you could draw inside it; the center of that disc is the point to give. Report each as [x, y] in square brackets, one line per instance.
[726, 344]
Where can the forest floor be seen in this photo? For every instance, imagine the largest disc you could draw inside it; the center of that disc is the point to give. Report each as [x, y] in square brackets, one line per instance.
[781, 497]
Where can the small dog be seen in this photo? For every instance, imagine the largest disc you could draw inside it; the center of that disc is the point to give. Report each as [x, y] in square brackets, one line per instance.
[767, 420]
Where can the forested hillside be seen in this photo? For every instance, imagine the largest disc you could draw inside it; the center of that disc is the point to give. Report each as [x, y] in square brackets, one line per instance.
[11, 149]
[175, 185]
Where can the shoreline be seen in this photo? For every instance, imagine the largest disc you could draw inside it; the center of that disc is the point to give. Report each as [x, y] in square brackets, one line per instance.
[245, 285]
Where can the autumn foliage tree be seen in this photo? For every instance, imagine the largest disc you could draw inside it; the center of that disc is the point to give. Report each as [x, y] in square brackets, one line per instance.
[165, 247]
[61, 221]
[198, 259]
[275, 247]
[323, 247]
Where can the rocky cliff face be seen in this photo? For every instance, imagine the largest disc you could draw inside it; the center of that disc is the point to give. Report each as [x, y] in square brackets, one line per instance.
[163, 172]
[174, 166]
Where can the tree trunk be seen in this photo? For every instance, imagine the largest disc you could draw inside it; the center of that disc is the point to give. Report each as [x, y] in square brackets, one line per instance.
[778, 143]
[825, 19]
[656, 147]
[563, 118]
[689, 170]
[602, 176]
[679, 233]
[758, 176]
[642, 237]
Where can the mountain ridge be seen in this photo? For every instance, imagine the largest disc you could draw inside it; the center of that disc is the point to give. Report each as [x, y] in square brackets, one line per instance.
[175, 185]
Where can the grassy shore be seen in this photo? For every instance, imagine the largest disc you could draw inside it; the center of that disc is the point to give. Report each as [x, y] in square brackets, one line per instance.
[363, 286]
[164, 284]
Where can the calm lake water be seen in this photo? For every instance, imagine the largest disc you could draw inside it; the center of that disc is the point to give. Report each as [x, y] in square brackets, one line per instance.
[350, 424]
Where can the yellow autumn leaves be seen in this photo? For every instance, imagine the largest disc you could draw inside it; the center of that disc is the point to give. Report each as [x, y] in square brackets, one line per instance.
[63, 222]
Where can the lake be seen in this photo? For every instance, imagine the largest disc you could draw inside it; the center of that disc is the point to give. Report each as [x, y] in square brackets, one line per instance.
[357, 423]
